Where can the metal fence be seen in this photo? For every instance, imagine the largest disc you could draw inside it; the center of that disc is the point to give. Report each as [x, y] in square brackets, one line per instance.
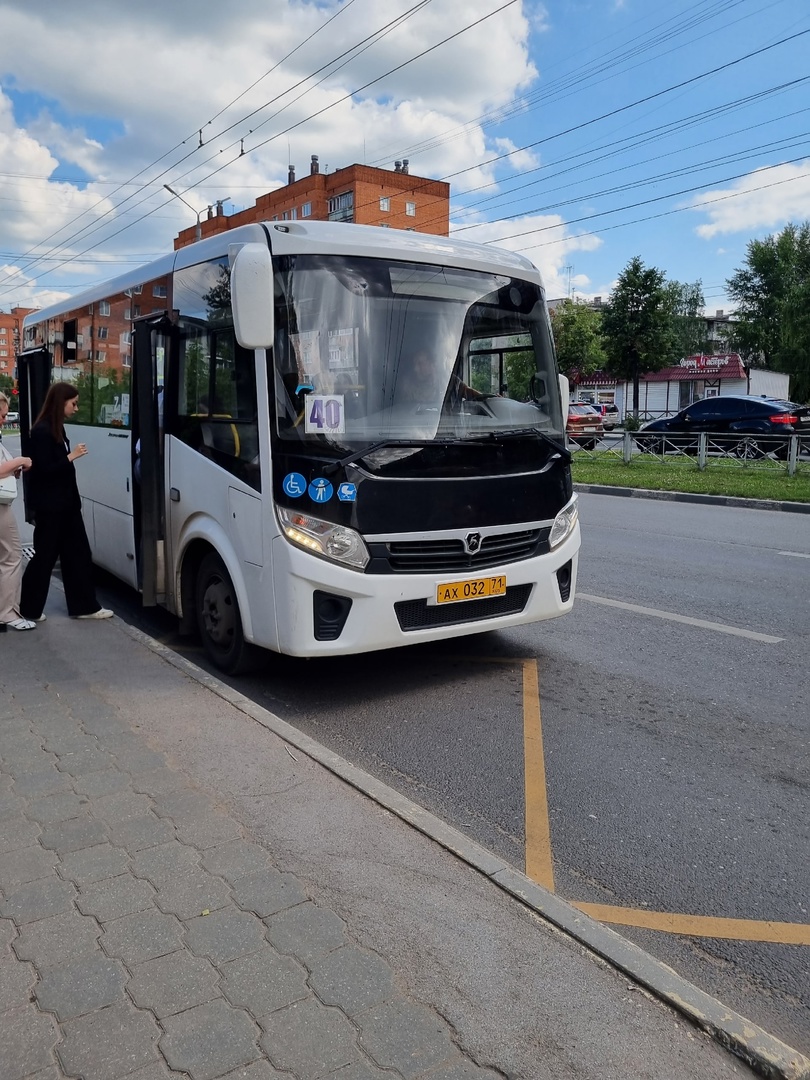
[775, 452]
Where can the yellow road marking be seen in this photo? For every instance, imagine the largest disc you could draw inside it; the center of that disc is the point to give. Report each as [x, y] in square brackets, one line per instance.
[539, 862]
[780, 933]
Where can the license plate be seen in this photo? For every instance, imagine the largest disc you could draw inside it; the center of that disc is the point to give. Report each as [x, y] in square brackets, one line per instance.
[453, 592]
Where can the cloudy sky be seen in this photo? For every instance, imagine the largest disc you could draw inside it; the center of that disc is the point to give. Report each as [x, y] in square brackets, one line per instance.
[580, 132]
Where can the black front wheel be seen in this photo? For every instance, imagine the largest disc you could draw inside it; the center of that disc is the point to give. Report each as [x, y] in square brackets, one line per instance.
[219, 620]
[748, 449]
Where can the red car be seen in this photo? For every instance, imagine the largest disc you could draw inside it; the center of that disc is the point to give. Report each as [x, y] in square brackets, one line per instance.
[584, 426]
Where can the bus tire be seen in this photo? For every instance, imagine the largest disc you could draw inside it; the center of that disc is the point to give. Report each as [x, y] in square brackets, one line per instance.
[219, 620]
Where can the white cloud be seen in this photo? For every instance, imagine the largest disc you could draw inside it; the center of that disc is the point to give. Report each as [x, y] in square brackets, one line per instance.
[542, 239]
[766, 198]
[93, 105]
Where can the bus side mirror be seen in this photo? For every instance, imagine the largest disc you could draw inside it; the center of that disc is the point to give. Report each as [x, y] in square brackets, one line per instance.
[565, 392]
[252, 296]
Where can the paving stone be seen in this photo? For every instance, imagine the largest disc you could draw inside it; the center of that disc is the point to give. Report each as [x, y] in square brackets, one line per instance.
[263, 981]
[405, 1036]
[11, 806]
[76, 987]
[161, 863]
[8, 931]
[142, 936]
[171, 984]
[56, 939]
[361, 1070]
[59, 807]
[94, 864]
[66, 742]
[183, 805]
[191, 892]
[134, 760]
[17, 833]
[109, 1044]
[157, 1071]
[155, 781]
[262, 1070]
[352, 979]
[45, 782]
[309, 1039]
[105, 782]
[209, 1040]
[120, 806]
[209, 830]
[86, 762]
[17, 761]
[114, 897]
[236, 858]
[25, 864]
[16, 982]
[224, 935]
[306, 931]
[73, 835]
[27, 1039]
[267, 892]
[38, 900]
[464, 1069]
[142, 832]
[53, 1072]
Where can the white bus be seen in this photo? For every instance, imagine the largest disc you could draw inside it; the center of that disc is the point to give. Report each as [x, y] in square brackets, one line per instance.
[320, 438]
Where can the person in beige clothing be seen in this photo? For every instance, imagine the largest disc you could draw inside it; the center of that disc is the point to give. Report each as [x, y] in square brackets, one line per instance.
[10, 548]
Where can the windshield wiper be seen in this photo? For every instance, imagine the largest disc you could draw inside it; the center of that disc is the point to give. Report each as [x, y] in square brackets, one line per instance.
[512, 433]
[356, 455]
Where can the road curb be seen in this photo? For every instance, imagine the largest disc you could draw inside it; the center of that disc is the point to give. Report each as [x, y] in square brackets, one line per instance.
[769, 1056]
[690, 497]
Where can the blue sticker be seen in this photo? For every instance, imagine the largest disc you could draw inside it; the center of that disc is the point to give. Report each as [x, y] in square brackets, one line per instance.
[295, 485]
[320, 490]
[347, 492]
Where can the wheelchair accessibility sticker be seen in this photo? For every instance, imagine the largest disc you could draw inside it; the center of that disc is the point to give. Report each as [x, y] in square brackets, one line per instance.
[294, 485]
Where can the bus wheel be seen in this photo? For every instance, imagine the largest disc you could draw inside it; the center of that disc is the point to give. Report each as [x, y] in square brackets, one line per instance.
[219, 620]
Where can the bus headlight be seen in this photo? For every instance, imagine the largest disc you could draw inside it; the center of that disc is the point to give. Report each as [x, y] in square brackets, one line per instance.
[564, 523]
[324, 538]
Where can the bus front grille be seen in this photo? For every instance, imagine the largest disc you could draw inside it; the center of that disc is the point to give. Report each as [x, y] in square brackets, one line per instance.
[419, 615]
[447, 556]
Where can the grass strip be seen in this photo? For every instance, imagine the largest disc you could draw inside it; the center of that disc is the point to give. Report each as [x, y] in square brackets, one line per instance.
[745, 481]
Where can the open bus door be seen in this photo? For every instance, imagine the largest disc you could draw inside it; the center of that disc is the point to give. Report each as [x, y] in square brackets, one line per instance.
[33, 380]
[151, 338]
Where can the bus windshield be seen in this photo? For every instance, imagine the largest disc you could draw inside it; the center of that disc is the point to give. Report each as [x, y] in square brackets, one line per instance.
[369, 350]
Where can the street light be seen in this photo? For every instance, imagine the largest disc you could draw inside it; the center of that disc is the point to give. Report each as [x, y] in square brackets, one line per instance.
[198, 230]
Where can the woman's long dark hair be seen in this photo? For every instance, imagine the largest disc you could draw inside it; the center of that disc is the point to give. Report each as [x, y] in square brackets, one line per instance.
[52, 412]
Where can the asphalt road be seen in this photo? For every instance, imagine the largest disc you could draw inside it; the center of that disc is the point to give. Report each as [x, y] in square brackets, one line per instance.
[649, 754]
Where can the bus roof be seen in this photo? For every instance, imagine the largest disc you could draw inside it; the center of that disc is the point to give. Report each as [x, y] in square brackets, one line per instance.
[315, 237]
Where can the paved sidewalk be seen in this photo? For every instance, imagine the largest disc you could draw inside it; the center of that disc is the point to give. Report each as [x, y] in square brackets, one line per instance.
[182, 895]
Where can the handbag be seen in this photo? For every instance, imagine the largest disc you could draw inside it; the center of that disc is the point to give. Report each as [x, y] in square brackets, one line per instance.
[8, 484]
[8, 489]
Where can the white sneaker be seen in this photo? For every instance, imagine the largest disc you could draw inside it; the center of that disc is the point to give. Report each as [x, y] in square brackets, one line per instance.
[22, 624]
[102, 613]
[42, 618]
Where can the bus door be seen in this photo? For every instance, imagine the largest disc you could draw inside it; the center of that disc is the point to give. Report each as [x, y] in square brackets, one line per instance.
[33, 380]
[152, 338]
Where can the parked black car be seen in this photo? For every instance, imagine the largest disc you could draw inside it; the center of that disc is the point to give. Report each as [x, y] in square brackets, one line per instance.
[750, 427]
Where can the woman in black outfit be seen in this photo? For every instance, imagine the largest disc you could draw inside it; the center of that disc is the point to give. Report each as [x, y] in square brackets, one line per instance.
[59, 531]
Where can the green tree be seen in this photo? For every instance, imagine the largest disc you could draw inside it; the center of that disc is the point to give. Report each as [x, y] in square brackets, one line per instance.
[771, 292]
[637, 324]
[577, 330]
[686, 302]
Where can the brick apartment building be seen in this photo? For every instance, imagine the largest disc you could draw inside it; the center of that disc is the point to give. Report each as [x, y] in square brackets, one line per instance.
[358, 193]
[11, 338]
